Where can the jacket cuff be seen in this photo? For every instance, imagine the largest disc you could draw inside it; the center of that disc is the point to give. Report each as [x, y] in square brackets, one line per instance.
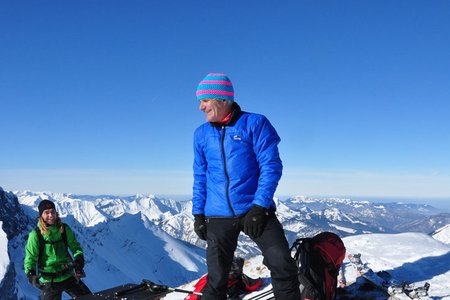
[260, 203]
[261, 207]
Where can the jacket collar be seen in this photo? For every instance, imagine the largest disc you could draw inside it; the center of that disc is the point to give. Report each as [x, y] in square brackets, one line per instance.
[235, 114]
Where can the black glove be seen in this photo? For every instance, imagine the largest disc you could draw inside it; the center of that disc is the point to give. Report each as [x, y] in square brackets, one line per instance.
[78, 262]
[255, 221]
[33, 279]
[31, 275]
[200, 226]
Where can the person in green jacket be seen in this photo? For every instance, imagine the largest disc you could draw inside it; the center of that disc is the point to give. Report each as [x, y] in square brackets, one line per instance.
[55, 267]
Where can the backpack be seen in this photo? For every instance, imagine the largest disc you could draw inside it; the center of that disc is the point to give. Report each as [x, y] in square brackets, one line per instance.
[318, 260]
[42, 241]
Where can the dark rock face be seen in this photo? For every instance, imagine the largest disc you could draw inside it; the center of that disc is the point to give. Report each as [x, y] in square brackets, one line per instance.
[14, 223]
[8, 289]
[11, 214]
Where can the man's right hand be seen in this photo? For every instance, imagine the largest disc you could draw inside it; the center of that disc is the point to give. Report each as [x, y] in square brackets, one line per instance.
[200, 226]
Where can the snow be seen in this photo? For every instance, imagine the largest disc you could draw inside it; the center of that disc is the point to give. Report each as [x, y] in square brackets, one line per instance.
[342, 228]
[443, 234]
[390, 251]
[121, 240]
[413, 257]
[84, 211]
[136, 249]
[332, 214]
[127, 239]
[4, 257]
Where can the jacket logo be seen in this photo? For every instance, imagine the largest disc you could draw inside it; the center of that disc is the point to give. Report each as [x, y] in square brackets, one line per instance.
[236, 138]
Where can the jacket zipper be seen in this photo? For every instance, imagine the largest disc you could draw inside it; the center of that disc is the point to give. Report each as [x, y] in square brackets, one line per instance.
[226, 173]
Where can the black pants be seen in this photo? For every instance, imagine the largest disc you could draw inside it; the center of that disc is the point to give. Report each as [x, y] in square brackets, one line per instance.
[72, 286]
[222, 240]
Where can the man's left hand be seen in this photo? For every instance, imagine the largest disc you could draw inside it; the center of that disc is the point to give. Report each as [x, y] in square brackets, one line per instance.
[255, 221]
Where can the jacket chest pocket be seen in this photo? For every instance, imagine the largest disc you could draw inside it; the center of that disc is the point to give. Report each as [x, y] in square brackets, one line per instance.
[238, 141]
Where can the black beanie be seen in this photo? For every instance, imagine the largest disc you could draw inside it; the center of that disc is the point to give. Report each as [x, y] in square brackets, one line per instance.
[45, 204]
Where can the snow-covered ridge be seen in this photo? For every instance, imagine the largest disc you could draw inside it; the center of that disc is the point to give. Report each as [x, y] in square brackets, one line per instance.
[116, 231]
[442, 234]
[301, 216]
[332, 200]
[91, 210]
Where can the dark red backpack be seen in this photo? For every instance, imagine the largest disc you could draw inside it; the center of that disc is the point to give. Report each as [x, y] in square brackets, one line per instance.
[319, 259]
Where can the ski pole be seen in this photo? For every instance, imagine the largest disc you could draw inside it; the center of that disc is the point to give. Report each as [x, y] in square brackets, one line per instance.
[126, 291]
[262, 295]
[185, 291]
[153, 287]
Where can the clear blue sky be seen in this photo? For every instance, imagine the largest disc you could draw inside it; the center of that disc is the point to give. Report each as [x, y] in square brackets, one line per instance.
[99, 96]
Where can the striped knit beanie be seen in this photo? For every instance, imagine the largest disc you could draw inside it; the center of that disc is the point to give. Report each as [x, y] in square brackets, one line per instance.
[215, 86]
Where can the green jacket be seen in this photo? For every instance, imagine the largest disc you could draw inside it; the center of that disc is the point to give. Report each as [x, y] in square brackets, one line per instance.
[55, 257]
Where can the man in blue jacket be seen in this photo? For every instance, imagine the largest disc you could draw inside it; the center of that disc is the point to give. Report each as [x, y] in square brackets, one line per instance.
[236, 171]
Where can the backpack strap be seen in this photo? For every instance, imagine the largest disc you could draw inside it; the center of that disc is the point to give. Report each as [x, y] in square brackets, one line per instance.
[301, 246]
[41, 244]
[64, 235]
[308, 289]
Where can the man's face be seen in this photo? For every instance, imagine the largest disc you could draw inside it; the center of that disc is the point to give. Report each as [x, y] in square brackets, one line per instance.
[215, 109]
[49, 216]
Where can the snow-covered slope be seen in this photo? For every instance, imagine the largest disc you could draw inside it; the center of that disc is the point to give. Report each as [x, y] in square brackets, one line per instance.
[412, 257]
[126, 239]
[120, 242]
[4, 257]
[132, 248]
[442, 234]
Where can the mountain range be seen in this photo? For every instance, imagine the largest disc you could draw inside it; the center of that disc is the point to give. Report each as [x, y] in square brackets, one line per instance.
[126, 239]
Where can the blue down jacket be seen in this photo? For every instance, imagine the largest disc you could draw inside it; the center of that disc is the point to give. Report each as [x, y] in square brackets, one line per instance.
[235, 166]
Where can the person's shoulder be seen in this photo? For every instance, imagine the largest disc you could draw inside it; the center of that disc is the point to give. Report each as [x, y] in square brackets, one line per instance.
[253, 118]
[33, 233]
[201, 129]
[66, 226]
[253, 115]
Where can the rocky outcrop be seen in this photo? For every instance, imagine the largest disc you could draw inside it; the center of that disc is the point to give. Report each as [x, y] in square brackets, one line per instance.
[11, 214]
[8, 289]
[15, 225]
